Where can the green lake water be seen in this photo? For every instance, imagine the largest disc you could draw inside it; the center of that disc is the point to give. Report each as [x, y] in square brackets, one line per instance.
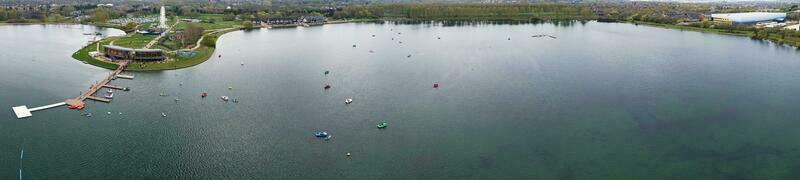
[600, 101]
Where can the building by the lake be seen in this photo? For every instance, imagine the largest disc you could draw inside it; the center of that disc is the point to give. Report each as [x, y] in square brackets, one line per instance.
[115, 53]
[748, 18]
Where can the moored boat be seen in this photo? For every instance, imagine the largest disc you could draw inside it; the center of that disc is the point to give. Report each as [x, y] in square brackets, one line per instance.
[321, 134]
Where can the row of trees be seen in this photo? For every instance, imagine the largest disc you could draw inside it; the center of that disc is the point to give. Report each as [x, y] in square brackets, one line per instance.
[469, 11]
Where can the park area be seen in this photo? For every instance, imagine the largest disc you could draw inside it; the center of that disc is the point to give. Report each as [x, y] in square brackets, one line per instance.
[180, 44]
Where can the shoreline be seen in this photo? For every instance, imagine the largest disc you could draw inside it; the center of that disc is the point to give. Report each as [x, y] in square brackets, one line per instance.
[209, 50]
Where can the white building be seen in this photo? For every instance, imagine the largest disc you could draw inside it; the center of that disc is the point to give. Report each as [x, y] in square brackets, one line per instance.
[748, 18]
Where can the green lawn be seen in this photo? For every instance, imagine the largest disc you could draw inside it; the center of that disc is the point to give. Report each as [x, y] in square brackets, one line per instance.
[218, 22]
[690, 28]
[203, 54]
[135, 41]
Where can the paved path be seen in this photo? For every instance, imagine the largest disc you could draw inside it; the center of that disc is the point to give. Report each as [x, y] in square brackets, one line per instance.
[154, 41]
[197, 45]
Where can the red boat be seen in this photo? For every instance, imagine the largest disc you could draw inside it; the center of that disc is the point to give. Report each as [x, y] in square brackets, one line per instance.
[203, 94]
[327, 86]
[72, 107]
[436, 85]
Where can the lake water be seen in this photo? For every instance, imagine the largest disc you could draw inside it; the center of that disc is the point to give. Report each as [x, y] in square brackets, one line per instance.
[601, 101]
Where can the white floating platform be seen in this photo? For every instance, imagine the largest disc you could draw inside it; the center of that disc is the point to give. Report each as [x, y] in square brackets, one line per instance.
[22, 112]
[125, 76]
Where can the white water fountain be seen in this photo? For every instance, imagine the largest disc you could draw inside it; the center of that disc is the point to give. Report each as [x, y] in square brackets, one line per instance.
[163, 19]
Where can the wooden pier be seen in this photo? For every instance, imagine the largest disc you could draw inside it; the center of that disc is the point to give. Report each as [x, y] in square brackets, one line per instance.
[113, 87]
[79, 101]
[105, 100]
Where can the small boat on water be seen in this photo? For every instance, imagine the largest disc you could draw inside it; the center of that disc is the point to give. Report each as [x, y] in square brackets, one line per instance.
[235, 100]
[110, 96]
[72, 107]
[436, 85]
[110, 91]
[126, 89]
[224, 98]
[162, 94]
[203, 94]
[321, 134]
[163, 115]
[383, 125]
[348, 101]
[409, 56]
[327, 86]
[327, 72]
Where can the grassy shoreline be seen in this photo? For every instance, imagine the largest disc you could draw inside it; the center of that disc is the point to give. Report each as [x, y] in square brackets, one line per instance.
[205, 52]
[772, 38]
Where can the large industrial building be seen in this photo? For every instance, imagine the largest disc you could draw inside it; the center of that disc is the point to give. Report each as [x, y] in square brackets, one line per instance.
[748, 18]
[123, 53]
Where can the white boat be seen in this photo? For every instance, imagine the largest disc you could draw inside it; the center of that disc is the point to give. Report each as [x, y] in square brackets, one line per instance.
[163, 115]
[348, 101]
[224, 98]
[110, 91]
[110, 96]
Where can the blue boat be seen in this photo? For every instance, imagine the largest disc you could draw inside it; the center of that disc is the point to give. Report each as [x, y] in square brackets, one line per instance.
[321, 134]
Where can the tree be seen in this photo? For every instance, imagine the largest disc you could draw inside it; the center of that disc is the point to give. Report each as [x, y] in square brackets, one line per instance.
[188, 11]
[229, 17]
[100, 15]
[209, 40]
[54, 17]
[191, 33]
[261, 15]
[130, 26]
[67, 10]
[247, 24]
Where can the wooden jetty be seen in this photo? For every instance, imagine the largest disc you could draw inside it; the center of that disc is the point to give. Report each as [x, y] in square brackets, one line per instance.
[113, 87]
[105, 100]
[78, 102]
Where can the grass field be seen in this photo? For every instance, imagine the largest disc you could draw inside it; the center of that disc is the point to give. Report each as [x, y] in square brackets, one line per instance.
[134, 41]
[218, 22]
[690, 28]
[203, 54]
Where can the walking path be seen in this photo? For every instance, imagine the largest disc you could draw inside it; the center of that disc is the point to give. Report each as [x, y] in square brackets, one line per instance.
[154, 41]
